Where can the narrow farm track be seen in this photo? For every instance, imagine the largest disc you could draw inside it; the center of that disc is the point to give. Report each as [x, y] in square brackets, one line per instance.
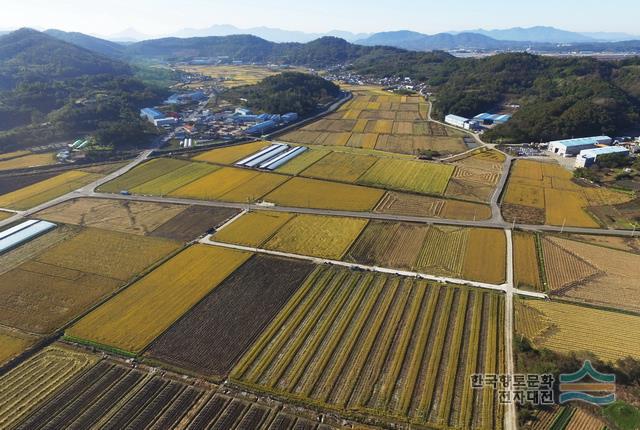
[510, 416]
[455, 281]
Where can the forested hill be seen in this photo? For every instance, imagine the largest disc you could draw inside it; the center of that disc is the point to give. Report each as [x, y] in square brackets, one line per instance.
[322, 52]
[30, 56]
[287, 92]
[52, 90]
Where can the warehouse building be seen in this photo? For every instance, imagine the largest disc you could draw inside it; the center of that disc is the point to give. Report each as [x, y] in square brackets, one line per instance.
[589, 157]
[572, 147]
[462, 122]
[488, 118]
[151, 114]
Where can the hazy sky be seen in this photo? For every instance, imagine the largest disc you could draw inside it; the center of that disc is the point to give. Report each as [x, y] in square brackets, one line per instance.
[157, 17]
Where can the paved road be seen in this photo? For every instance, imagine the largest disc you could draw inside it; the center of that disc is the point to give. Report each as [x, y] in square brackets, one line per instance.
[510, 417]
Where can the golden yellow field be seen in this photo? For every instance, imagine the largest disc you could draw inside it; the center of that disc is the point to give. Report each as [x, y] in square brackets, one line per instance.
[313, 193]
[302, 161]
[416, 176]
[253, 228]
[548, 186]
[12, 344]
[338, 166]
[25, 161]
[216, 184]
[525, 260]
[135, 317]
[571, 328]
[231, 154]
[486, 256]
[254, 189]
[5, 215]
[46, 190]
[384, 121]
[14, 154]
[235, 76]
[318, 236]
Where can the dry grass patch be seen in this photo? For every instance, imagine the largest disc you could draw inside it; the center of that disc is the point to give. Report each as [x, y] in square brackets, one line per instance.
[135, 317]
[120, 215]
[253, 228]
[313, 193]
[318, 236]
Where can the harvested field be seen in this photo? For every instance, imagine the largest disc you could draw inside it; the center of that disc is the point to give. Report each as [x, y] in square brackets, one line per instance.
[49, 189]
[443, 251]
[25, 387]
[388, 244]
[363, 140]
[193, 222]
[486, 256]
[231, 154]
[57, 285]
[135, 317]
[35, 247]
[9, 183]
[563, 268]
[145, 172]
[235, 76]
[313, 193]
[385, 346]
[426, 206]
[414, 176]
[318, 236]
[566, 418]
[598, 275]
[104, 168]
[210, 337]
[469, 190]
[13, 343]
[175, 179]
[522, 214]
[525, 259]
[609, 335]
[253, 228]
[302, 161]
[119, 215]
[338, 166]
[26, 161]
[113, 396]
[549, 188]
[628, 244]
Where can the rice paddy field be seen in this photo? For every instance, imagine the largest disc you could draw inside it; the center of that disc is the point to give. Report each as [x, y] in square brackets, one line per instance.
[394, 348]
[426, 206]
[37, 379]
[314, 193]
[476, 175]
[374, 119]
[592, 274]
[24, 160]
[414, 176]
[111, 395]
[570, 328]
[317, 236]
[120, 215]
[222, 326]
[253, 228]
[544, 193]
[565, 418]
[46, 190]
[134, 318]
[527, 270]
[51, 287]
[13, 343]
[235, 76]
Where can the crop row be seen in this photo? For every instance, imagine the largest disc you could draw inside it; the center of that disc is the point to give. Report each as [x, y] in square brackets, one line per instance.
[394, 347]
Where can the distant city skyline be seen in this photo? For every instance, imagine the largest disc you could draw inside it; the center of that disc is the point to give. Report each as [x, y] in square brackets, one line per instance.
[162, 17]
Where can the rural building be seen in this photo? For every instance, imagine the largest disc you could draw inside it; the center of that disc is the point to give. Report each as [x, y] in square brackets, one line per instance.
[488, 118]
[588, 157]
[571, 147]
[290, 117]
[151, 114]
[243, 111]
[164, 121]
[261, 128]
[462, 122]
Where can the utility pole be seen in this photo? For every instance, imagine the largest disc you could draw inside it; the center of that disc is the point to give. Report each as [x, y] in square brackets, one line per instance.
[563, 224]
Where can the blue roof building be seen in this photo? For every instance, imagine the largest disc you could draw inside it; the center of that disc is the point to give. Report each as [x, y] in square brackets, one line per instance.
[151, 114]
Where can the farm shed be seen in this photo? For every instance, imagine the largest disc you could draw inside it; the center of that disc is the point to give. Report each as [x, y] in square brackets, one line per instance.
[571, 147]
